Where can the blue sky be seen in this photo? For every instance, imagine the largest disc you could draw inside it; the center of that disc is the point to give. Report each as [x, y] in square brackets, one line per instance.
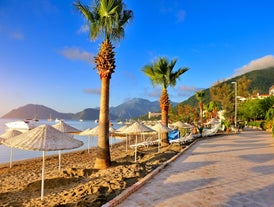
[46, 55]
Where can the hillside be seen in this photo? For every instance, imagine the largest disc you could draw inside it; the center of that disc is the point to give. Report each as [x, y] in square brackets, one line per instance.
[261, 80]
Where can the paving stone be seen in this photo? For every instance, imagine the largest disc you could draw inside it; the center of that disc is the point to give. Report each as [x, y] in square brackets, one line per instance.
[224, 171]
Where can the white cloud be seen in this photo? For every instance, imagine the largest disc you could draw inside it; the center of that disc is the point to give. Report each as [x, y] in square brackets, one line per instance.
[17, 36]
[186, 91]
[75, 54]
[83, 29]
[261, 63]
[181, 15]
[155, 92]
[95, 91]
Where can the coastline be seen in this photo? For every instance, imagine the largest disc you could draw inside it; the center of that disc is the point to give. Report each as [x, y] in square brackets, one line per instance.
[78, 183]
[20, 155]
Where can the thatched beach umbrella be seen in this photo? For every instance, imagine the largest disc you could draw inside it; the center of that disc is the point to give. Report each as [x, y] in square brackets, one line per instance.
[178, 124]
[121, 131]
[137, 128]
[111, 133]
[90, 132]
[43, 138]
[7, 135]
[160, 128]
[66, 128]
[86, 132]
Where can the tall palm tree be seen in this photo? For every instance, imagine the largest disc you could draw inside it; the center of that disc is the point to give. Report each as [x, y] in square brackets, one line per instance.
[200, 97]
[161, 73]
[106, 18]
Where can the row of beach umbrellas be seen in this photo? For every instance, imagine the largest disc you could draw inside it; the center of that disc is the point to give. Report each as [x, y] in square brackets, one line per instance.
[58, 137]
[43, 138]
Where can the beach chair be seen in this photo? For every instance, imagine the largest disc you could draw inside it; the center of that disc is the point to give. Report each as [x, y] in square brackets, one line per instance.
[212, 131]
[183, 140]
[148, 142]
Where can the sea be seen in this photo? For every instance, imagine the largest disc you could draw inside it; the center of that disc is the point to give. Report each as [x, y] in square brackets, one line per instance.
[19, 154]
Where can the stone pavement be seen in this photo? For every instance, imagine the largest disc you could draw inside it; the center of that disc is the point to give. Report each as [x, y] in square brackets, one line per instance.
[230, 171]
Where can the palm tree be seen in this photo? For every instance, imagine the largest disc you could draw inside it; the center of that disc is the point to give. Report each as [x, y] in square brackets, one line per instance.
[200, 97]
[106, 18]
[161, 73]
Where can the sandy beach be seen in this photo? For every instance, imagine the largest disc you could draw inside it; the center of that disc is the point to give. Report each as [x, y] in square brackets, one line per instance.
[77, 183]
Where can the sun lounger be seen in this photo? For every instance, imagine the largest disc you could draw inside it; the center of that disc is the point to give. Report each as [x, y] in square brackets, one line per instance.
[212, 131]
[183, 140]
[148, 142]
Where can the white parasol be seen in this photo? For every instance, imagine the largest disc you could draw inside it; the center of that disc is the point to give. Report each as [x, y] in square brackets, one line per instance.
[9, 134]
[121, 131]
[43, 138]
[64, 127]
[86, 132]
[89, 132]
[178, 124]
[160, 128]
[137, 128]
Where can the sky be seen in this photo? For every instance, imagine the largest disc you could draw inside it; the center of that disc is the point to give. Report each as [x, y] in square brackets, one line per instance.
[46, 56]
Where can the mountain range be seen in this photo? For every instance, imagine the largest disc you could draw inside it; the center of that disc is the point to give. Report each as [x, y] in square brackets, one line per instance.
[129, 109]
[261, 80]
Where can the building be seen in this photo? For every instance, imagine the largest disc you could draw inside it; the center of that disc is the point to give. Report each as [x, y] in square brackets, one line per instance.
[271, 90]
[153, 114]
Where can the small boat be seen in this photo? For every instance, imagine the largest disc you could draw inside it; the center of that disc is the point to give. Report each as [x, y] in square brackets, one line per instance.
[21, 125]
[96, 121]
[50, 119]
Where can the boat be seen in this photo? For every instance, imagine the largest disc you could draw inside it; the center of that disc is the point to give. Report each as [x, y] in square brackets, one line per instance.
[49, 119]
[96, 121]
[21, 125]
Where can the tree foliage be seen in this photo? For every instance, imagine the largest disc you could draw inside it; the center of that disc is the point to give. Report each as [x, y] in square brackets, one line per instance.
[256, 109]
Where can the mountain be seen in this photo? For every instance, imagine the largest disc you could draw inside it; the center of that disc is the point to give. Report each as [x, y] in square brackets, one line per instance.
[87, 114]
[134, 108]
[129, 109]
[33, 111]
[261, 80]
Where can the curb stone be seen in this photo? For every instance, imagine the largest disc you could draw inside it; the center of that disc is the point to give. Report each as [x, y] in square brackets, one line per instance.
[128, 191]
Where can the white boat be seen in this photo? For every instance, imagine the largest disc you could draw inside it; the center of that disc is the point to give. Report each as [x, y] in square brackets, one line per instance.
[21, 125]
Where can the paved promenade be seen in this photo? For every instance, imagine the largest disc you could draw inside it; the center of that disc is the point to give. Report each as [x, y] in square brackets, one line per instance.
[230, 171]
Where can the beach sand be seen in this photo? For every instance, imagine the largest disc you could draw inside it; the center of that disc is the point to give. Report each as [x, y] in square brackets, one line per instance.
[77, 183]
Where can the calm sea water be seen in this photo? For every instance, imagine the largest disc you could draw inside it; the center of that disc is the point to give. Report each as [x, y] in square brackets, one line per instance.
[19, 154]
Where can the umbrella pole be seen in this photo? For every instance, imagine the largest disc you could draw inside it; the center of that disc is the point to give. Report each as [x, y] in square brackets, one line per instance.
[126, 142]
[59, 167]
[136, 148]
[88, 143]
[11, 153]
[43, 174]
[159, 140]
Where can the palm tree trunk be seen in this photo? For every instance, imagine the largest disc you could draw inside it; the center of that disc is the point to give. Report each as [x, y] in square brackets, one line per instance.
[164, 113]
[164, 104]
[201, 112]
[103, 154]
